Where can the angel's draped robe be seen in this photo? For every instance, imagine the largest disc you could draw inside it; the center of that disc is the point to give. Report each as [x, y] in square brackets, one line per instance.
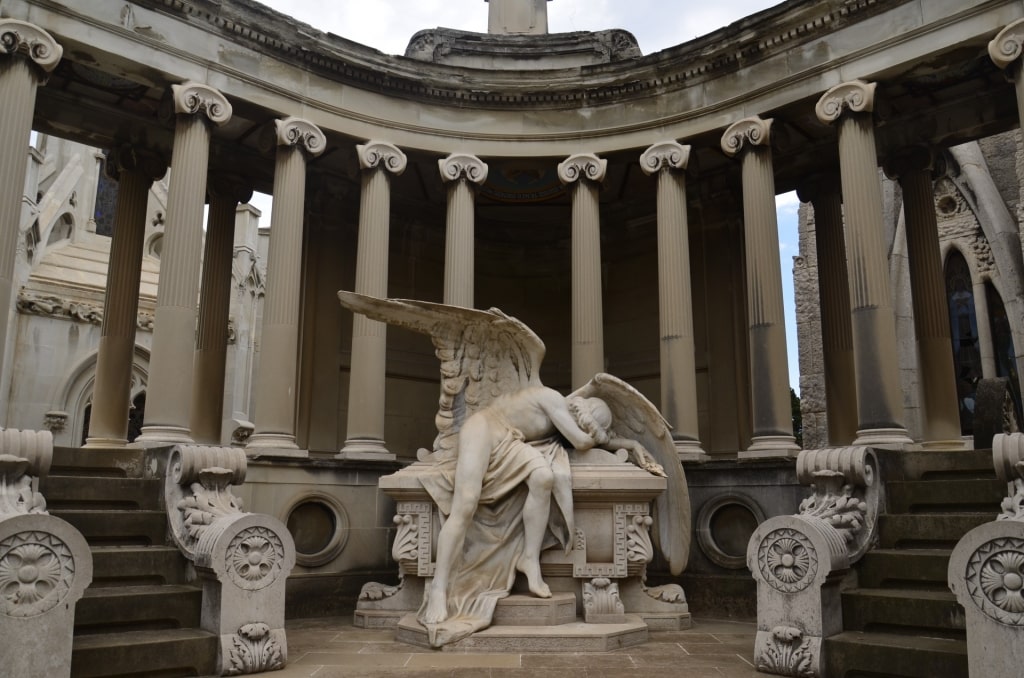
[484, 572]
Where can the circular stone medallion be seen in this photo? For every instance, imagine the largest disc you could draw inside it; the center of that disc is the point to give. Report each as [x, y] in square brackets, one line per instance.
[787, 560]
[995, 579]
[36, 572]
[254, 558]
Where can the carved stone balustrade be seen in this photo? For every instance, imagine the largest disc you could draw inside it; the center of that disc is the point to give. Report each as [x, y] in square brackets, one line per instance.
[986, 573]
[45, 563]
[243, 559]
[605, 568]
[798, 561]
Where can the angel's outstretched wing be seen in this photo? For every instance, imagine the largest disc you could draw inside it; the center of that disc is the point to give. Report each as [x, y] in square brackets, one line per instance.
[635, 417]
[483, 354]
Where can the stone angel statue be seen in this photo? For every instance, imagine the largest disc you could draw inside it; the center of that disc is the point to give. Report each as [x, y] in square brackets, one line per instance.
[503, 481]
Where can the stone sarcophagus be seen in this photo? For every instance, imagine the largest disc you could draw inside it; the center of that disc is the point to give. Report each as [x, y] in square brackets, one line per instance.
[533, 507]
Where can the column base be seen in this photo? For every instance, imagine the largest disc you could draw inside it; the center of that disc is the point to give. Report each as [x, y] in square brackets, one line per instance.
[279, 445]
[161, 436]
[365, 449]
[690, 450]
[771, 447]
[956, 444]
[884, 438]
[104, 443]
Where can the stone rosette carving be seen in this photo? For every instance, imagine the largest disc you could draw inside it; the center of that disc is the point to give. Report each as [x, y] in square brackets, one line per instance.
[36, 573]
[381, 154]
[1006, 47]
[582, 166]
[995, 579]
[192, 98]
[300, 133]
[787, 560]
[746, 133]
[463, 166]
[855, 96]
[254, 650]
[787, 652]
[20, 37]
[670, 155]
[255, 556]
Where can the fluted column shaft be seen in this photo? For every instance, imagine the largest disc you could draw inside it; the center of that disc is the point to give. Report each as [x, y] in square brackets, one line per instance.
[928, 291]
[367, 376]
[461, 172]
[276, 386]
[675, 304]
[879, 396]
[111, 397]
[214, 310]
[169, 394]
[769, 374]
[583, 173]
[27, 55]
[834, 306]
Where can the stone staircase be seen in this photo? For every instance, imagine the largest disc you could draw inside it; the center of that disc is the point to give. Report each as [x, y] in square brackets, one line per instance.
[901, 618]
[141, 616]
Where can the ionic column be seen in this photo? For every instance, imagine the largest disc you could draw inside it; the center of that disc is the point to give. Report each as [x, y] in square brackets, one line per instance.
[675, 304]
[1005, 50]
[27, 55]
[169, 394]
[365, 431]
[462, 173]
[879, 396]
[584, 173]
[135, 171]
[276, 386]
[834, 305]
[225, 193]
[769, 367]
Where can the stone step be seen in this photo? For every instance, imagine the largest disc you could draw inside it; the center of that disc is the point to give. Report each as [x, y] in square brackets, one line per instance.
[904, 568]
[854, 653]
[929, 612]
[937, 464]
[124, 608]
[522, 610]
[77, 492]
[106, 527]
[944, 496]
[927, 530]
[164, 652]
[137, 565]
[115, 462]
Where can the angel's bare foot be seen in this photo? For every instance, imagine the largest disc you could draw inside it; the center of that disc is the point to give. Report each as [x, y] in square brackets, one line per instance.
[531, 568]
[437, 608]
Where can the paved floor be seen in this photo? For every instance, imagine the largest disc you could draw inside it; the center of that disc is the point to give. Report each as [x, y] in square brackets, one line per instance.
[332, 648]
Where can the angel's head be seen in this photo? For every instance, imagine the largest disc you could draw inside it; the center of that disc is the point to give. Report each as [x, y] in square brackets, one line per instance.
[593, 416]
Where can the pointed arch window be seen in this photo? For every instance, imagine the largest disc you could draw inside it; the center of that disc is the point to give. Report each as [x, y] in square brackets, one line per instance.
[963, 326]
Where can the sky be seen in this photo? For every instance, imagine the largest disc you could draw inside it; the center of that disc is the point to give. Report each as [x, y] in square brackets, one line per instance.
[387, 25]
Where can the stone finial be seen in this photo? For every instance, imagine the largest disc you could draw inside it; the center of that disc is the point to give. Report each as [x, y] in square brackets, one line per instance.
[463, 166]
[1007, 46]
[141, 161]
[20, 37]
[856, 96]
[753, 131]
[582, 165]
[381, 154]
[665, 155]
[302, 133]
[511, 17]
[191, 98]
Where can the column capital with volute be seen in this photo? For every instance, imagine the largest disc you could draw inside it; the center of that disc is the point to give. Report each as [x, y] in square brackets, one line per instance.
[745, 134]
[463, 166]
[1008, 45]
[855, 96]
[670, 155]
[918, 158]
[31, 41]
[193, 98]
[300, 133]
[582, 166]
[229, 187]
[381, 154]
[145, 163]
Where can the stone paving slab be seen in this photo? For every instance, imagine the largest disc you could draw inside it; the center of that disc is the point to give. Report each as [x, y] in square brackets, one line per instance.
[333, 648]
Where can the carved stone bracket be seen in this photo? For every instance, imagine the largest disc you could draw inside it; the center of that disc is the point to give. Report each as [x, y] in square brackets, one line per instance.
[31, 41]
[799, 560]
[45, 563]
[242, 558]
[601, 602]
[986, 573]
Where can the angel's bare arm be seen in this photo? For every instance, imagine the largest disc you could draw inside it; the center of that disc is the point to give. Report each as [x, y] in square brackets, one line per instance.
[554, 406]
